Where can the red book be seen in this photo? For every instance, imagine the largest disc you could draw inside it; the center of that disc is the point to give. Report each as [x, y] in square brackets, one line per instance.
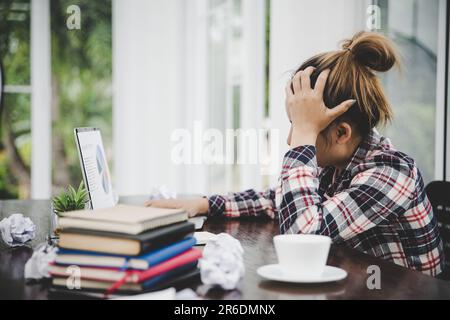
[182, 259]
[189, 256]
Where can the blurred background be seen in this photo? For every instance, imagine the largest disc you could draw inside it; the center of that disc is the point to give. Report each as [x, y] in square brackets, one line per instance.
[139, 69]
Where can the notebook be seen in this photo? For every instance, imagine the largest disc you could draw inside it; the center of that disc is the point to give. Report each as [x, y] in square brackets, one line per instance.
[124, 244]
[122, 218]
[143, 262]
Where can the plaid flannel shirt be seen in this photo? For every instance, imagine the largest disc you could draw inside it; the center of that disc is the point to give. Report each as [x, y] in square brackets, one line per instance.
[376, 205]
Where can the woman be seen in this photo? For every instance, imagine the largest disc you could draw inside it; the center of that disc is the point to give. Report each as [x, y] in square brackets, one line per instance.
[340, 177]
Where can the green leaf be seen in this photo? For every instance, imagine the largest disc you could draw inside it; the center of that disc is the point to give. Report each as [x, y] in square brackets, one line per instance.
[71, 199]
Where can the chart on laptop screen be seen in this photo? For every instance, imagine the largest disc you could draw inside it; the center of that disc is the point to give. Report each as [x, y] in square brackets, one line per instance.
[95, 167]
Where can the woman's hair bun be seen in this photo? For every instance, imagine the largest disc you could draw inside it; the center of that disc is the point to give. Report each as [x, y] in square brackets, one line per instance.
[372, 50]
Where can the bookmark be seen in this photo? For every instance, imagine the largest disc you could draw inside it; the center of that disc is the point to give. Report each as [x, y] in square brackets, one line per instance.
[126, 265]
[116, 285]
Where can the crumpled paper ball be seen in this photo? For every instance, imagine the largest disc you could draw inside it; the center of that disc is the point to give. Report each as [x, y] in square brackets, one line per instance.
[162, 192]
[222, 263]
[38, 266]
[16, 230]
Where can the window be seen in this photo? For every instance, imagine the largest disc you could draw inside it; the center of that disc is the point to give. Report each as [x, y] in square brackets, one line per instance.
[225, 58]
[414, 27]
[238, 89]
[15, 134]
[81, 83]
[81, 69]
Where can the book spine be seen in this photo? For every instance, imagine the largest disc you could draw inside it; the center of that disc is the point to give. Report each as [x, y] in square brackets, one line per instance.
[189, 256]
[159, 243]
[163, 254]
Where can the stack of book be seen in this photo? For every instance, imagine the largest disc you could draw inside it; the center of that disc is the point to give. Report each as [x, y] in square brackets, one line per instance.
[124, 249]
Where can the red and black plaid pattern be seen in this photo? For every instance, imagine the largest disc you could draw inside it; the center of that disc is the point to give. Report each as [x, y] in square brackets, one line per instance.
[376, 205]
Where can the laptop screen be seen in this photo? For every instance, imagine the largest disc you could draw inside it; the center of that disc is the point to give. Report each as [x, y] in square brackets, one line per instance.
[95, 167]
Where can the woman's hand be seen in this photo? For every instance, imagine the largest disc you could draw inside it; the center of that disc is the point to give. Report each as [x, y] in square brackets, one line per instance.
[306, 109]
[194, 207]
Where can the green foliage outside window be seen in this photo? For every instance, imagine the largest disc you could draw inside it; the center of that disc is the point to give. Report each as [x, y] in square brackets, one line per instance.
[81, 89]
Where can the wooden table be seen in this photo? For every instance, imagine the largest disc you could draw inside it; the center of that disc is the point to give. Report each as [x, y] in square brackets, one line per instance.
[256, 238]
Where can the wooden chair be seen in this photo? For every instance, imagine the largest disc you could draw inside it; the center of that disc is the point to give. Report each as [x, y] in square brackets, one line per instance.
[439, 194]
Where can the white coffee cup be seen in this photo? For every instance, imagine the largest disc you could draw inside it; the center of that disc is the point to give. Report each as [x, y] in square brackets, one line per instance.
[302, 255]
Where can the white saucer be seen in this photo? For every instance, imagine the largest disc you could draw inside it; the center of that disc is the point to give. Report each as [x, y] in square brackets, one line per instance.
[274, 272]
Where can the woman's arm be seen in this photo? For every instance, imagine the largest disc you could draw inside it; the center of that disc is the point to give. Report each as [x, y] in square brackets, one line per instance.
[193, 206]
[247, 203]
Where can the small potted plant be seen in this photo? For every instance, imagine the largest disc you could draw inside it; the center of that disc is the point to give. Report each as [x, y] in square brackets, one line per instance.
[69, 200]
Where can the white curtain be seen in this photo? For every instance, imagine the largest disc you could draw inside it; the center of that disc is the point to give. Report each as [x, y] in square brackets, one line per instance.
[148, 97]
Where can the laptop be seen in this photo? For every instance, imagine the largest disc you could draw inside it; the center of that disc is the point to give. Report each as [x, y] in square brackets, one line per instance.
[94, 167]
[96, 174]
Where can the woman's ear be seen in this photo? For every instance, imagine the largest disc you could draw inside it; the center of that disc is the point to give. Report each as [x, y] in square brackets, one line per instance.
[343, 132]
[289, 138]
